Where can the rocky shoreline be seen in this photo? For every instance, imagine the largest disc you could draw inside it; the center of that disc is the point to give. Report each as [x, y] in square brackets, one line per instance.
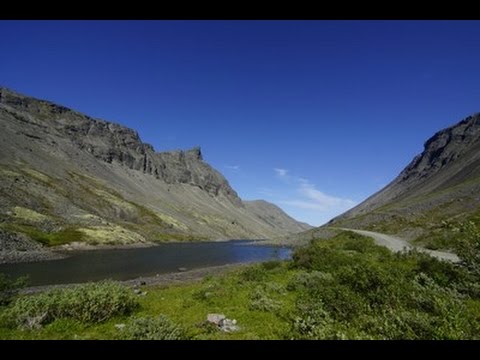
[15, 256]
[158, 280]
[15, 248]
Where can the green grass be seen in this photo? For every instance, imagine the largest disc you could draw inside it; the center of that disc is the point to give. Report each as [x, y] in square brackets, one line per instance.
[64, 236]
[345, 287]
[162, 237]
[445, 234]
[95, 197]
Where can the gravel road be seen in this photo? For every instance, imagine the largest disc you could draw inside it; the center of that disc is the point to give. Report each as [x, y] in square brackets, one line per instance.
[396, 244]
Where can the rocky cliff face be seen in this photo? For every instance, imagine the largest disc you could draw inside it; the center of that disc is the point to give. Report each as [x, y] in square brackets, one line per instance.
[441, 183]
[112, 142]
[442, 149]
[66, 177]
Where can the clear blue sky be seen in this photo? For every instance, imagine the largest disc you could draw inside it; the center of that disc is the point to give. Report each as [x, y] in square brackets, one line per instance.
[313, 116]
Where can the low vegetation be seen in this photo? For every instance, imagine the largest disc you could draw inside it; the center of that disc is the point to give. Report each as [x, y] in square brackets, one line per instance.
[90, 303]
[9, 288]
[343, 288]
[150, 328]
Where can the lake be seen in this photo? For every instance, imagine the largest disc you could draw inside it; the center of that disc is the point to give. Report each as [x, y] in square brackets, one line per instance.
[125, 264]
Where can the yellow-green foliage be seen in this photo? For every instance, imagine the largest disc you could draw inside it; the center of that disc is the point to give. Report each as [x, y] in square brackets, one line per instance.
[61, 237]
[9, 173]
[111, 234]
[28, 214]
[37, 175]
[176, 237]
[114, 200]
[170, 220]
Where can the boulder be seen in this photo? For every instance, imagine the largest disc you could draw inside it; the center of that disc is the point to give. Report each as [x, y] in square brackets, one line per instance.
[215, 318]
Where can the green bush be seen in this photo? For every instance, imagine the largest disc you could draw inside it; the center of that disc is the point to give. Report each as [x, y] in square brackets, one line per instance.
[209, 292]
[253, 273]
[342, 250]
[261, 301]
[89, 303]
[272, 264]
[468, 247]
[308, 280]
[352, 288]
[275, 288]
[9, 288]
[372, 281]
[313, 322]
[149, 328]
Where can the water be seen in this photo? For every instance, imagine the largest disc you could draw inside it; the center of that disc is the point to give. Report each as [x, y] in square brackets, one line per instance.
[125, 264]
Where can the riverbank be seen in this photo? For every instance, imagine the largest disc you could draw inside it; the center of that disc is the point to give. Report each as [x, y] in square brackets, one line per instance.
[343, 288]
[129, 263]
[16, 256]
[159, 280]
[59, 252]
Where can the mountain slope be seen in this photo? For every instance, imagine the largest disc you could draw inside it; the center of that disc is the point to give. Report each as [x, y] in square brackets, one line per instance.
[440, 184]
[275, 216]
[67, 177]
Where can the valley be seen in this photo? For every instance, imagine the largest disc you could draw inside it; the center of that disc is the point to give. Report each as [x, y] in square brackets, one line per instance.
[239, 180]
[88, 201]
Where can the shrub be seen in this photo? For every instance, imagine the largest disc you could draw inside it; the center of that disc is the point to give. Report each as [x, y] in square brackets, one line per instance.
[275, 287]
[352, 288]
[468, 247]
[313, 321]
[272, 264]
[90, 303]
[342, 250]
[253, 273]
[209, 292]
[9, 288]
[340, 301]
[442, 272]
[373, 282]
[149, 328]
[262, 302]
[307, 280]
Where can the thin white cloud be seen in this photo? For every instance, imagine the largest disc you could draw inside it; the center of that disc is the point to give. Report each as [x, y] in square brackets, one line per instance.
[281, 172]
[305, 197]
[302, 204]
[320, 200]
[233, 167]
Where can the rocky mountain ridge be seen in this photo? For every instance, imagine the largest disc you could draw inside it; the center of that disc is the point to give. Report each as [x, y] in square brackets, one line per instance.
[442, 184]
[111, 142]
[67, 178]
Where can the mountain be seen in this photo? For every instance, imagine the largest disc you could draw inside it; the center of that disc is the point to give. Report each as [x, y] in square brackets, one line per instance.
[66, 177]
[440, 186]
[276, 217]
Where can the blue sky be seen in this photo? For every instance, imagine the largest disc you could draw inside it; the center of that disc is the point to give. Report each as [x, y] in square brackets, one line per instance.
[313, 116]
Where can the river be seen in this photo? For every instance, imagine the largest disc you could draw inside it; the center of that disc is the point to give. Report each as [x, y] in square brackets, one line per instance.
[125, 264]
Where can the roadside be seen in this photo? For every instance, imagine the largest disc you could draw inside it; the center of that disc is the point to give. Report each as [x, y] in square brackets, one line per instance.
[396, 244]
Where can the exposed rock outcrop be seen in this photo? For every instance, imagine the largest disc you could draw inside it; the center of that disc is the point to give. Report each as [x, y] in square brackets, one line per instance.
[112, 142]
[68, 178]
[440, 184]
